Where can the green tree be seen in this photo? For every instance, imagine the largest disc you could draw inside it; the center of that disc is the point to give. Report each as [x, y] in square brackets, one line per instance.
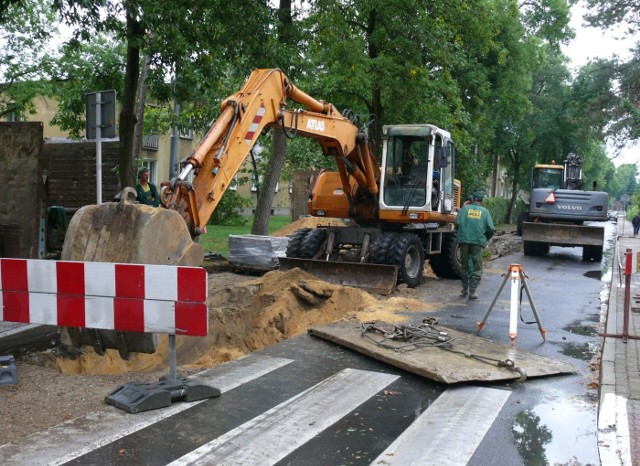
[25, 30]
[610, 13]
[195, 41]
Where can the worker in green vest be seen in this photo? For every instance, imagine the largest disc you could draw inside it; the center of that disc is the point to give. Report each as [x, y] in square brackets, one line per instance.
[475, 227]
[147, 191]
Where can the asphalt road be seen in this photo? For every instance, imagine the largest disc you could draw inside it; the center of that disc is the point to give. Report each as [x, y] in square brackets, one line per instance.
[307, 401]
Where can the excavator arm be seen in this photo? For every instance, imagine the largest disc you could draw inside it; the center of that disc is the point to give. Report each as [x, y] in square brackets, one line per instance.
[259, 104]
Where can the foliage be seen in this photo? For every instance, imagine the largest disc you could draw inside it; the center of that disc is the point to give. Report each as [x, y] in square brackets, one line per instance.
[229, 211]
[25, 29]
[490, 71]
[499, 209]
[622, 14]
[83, 68]
[607, 13]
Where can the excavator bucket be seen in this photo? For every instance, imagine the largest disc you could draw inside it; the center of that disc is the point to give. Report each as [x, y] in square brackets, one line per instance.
[374, 278]
[127, 232]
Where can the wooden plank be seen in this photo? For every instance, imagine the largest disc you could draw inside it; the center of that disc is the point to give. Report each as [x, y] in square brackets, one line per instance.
[468, 358]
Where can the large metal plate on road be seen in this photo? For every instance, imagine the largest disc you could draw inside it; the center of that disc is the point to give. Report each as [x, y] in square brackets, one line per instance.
[374, 278]
[467, 358]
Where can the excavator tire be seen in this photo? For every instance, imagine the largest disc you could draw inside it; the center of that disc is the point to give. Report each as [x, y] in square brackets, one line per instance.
[535, 248]
[522, 217]
[447, 263]
[126, 232]
[592, 252]
[313, 243]
[406, 253]
[294, 248]
[380, 248]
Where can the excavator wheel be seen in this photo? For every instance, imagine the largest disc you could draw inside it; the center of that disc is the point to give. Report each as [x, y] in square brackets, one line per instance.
[447, 264]
[522, 217]
[592, 252]
[294, 247]
[535, 248]
[407, 254]
[380, 248]
[313, 243]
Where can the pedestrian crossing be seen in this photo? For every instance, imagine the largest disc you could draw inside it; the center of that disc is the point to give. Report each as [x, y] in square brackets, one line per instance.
[448, 431]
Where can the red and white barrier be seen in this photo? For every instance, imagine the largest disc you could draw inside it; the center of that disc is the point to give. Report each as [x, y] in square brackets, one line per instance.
[101, 295]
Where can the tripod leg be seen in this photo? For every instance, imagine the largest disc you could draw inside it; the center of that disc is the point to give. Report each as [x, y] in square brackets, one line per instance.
[543, 332]
[493, 303]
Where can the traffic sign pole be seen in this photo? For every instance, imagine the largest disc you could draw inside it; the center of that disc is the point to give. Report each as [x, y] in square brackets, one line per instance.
[98, 150]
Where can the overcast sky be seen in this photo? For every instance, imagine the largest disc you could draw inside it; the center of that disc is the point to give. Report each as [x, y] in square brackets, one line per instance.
[594, 43]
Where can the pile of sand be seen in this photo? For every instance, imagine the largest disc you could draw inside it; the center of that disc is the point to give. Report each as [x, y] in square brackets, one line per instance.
[248, 316]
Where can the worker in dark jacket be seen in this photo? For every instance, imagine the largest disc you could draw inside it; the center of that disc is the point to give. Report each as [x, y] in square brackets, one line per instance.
[635, 221]
[147, 192]
[475, 228]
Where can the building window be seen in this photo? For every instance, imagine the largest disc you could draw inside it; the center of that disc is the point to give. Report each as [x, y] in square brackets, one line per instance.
[15, 116]
[185, 133]
[255, 182]
[150, 142]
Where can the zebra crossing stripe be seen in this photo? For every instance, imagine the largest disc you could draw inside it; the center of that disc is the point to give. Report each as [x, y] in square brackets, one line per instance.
[449, 431]
[278, 432]
[70, 440]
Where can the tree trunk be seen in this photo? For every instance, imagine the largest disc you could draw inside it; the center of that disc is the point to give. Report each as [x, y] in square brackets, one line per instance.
[127, 113]
[514, 189]
[267, 190]
[142, 99]
[268, 187]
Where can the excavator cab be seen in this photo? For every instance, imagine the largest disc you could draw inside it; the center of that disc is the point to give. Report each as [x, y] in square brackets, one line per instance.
[548, 177]
[417, 173]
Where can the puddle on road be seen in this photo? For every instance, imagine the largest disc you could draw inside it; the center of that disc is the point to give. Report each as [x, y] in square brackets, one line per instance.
[597, 274]
[578, 329]
[543, 434]
[582, 351]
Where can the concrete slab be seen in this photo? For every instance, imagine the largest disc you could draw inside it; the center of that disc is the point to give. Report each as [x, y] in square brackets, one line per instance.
[467, 358]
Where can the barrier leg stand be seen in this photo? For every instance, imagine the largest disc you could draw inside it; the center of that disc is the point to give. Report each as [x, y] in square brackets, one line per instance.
[137, 397]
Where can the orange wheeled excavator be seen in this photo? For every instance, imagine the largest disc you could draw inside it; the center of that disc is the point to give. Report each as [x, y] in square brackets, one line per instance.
[401, 209]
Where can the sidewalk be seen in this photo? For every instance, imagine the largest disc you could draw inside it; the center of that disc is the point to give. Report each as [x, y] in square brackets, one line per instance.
[619, 407]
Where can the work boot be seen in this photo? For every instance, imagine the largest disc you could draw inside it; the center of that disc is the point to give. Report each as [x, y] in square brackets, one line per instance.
[464, 292]
[472, 294]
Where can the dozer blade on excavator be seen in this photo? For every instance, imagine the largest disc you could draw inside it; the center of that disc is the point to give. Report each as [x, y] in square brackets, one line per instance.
[374, 278]
[127, 232]
[562, 234]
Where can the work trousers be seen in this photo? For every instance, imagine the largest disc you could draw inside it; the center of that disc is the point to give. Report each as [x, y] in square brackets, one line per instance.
[471, 258]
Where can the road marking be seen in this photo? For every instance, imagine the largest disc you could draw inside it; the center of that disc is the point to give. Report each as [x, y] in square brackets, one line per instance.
[449, 431]
[70, 440]
[613, 430]
[268, 438]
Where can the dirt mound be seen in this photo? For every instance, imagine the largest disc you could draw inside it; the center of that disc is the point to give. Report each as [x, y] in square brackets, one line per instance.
[307, 222]
[247, 316]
